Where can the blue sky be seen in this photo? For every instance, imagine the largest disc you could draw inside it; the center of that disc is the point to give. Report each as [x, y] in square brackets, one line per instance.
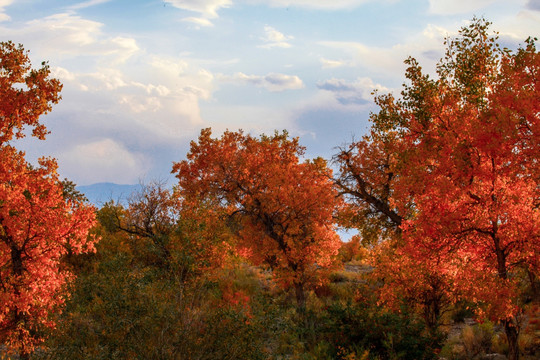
[142, 77]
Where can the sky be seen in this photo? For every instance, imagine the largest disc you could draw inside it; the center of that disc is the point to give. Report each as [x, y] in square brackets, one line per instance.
[142, 77]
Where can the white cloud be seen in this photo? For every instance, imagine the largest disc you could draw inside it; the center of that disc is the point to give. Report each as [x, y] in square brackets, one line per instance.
[207, 8]
[123, 87]
[104, 79]
[181, 76]
[378, 59]
[358, 92]
[140, 104]
[158, 100]
[514, 30]
[445, 7]
[198, 21]
[124, 49]
[329, 64]
[274, 38]
[170, 66]
[150, 89]
[102, 161]
[272, 82]
[314, 4]
[268, 118]
[62, 73]
[426, 46]
[3, 15]
[87, 4]
[69, 35]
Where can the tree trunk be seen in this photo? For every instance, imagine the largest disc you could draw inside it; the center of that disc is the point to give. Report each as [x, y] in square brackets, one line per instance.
[512, 334]
[19, 317]
[300, 295]
[432, 314]
[23, 355]
[534, 285]
[511, 329]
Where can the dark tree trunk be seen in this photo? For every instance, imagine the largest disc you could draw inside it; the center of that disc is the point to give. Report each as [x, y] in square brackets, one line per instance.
[512, 333]
[511, 330]
[19, 318]
[300, 295]
[24, 355]
[16, 262]
[534, 285]
[432, 313]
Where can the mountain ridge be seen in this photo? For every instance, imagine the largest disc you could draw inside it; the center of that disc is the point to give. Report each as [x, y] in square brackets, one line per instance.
[100, 193]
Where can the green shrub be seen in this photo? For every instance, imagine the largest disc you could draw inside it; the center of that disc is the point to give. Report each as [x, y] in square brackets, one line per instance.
[477, 339]
[385, 335]
[473, 342]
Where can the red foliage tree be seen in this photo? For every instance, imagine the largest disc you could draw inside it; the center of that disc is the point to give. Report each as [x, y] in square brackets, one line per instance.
[473, 167]
[464, 151]
[39, 222]
[283, 208]
[367, 178]
[419, 277]
[25, 93]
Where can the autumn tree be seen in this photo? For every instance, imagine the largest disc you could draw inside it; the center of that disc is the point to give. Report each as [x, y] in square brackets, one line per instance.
[422, 279]
[473, 163]
[39, 222]
[165, 233]
[367, 177]
[25, 93]
[132, 299]
[150, 215]
[467, 165]
[282, 208]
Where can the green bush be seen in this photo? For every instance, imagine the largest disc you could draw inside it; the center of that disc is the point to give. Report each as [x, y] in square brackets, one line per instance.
[360, 329]
[473, 342]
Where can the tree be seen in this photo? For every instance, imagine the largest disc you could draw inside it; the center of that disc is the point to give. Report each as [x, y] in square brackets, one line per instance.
[25, 93]
[282, 208]
[166, 233]
[131, 300]
[38, 224]
[468, 167]
[367, 179]
[474, 164]
[424, 280]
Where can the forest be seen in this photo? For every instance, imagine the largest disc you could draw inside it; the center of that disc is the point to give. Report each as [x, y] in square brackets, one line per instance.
[242, 257]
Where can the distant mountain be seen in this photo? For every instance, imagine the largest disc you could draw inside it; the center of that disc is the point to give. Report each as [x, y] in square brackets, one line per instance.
[99, 194]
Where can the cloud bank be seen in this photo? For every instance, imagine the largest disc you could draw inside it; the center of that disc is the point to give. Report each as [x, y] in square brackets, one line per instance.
[359, 92]
[272, 82]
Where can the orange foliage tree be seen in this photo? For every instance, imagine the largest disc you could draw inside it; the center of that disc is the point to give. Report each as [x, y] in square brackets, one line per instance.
[472, 162]
[367, 179]
[282, 208]
[39, 221]
[419, 277]
[467, 155]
